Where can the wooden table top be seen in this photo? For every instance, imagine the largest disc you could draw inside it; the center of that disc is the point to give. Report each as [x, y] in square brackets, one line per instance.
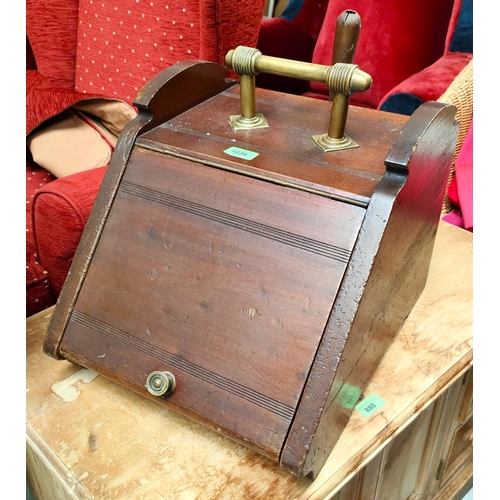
[107, 442]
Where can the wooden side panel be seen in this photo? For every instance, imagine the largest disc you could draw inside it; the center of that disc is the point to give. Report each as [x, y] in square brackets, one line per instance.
[385, 276]
[225, 281]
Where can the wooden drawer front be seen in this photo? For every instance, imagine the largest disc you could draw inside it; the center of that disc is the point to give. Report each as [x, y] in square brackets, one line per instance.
[225, 281]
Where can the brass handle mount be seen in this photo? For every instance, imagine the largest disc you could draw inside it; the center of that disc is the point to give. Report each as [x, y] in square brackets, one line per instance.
[343, 79]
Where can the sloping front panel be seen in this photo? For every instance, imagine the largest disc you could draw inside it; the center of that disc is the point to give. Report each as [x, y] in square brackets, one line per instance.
[223, 280]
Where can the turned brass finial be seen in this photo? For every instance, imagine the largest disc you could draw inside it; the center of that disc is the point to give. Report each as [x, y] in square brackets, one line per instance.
[344, 47]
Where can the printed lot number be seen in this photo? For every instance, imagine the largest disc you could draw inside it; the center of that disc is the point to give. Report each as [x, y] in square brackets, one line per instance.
[370, 405]
[245, 154]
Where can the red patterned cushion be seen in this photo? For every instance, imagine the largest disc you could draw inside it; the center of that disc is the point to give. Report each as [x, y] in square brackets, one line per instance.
[122, 44]
[51, 26]
[225, 24]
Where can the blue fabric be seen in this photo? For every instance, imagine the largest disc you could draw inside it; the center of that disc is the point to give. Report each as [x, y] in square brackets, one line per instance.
[402, 103]
[292, 9]
[461, 40]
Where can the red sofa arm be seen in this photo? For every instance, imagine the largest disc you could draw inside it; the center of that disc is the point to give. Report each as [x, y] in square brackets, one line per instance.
[426, 85]
[281, 38]
[60, 212]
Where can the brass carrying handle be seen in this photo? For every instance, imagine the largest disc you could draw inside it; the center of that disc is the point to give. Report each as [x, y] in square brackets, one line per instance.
[342, 78]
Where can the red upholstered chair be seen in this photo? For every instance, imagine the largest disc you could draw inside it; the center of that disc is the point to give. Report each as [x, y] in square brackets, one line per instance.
[434, 80]
[82, 50]
[412, 50]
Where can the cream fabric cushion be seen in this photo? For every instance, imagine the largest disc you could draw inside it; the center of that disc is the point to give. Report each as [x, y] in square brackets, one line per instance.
[80, 138]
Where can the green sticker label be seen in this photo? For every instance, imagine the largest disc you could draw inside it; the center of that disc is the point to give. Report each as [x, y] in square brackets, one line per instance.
[370, 405]
[241, 153]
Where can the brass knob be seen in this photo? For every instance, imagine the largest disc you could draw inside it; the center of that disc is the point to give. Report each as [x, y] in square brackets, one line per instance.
[160, 383]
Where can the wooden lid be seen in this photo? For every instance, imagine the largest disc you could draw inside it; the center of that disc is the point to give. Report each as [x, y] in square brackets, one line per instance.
[286, 153]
